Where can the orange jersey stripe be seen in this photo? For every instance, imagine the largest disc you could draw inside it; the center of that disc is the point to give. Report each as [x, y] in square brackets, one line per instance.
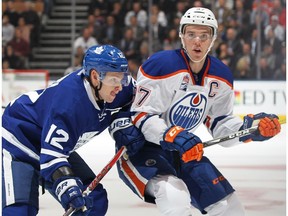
[140, 115]
[161, 77]
[139, 184]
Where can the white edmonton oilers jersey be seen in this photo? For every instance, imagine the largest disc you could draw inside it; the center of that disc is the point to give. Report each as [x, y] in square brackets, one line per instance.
[168, 93]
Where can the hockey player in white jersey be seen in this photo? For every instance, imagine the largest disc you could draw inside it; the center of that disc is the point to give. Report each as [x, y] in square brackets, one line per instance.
[42, 129]
[177, 90]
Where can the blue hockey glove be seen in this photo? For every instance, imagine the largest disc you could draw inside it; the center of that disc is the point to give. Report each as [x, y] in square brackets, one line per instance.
[268, 126]
[125, 133]
[68, 191]
[188, 144]
[98, 197]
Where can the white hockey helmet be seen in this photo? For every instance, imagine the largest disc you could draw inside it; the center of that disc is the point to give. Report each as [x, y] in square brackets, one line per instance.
[198, 16]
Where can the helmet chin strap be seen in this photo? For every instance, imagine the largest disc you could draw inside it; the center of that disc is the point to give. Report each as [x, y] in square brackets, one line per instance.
[208, 50]
[96, 88]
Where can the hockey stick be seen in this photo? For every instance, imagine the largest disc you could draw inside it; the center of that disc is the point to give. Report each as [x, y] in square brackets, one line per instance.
[233, 135]
[123, 149]
[98, 178]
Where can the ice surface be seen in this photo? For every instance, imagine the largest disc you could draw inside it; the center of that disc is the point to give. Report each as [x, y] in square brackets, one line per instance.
[256, 170]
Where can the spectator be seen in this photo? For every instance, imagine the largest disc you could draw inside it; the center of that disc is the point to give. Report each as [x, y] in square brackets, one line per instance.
[223, 13]
[96, 23]
[222, 53]
[158, 33]
[279, 10]
[279, 31]
[245, 64]
[11, 13]
[253, 41]
[259, 14]
[242, 17]
[228, 4]
[139, 13]
[33, 21]
[273, 41]
[25, 29]
[265, 5]
[269, 56]
[234, 45]
[161, 16]
[168, 8]
[118, 13]
[128, 44]
[174, 24]
[242, 69]
[21, 47]
[180, 10]
[280, 73]
[111, 32]
[281, 56]
[7, 30]
[100, 4]
[266, 73]
[198, 4]
[144, 51]
[138, 31]
[172, 41]
[14, 61]
[85, 40]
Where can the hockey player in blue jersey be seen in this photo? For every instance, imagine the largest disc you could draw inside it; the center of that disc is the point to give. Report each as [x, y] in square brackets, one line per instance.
[177, 90]
[42, 129]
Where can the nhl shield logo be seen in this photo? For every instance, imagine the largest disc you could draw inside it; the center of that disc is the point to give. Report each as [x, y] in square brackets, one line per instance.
[188, 111]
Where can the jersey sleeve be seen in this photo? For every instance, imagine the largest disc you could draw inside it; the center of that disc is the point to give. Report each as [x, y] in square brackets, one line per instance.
[220, 120]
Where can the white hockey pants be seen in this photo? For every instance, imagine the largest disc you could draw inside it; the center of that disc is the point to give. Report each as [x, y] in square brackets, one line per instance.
[173, 199]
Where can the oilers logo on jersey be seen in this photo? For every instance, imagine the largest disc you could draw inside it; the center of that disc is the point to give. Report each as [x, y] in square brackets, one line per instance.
[188, 111]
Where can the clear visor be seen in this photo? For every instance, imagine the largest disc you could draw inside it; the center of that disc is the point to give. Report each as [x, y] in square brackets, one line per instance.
[202, 37]
[115, 79]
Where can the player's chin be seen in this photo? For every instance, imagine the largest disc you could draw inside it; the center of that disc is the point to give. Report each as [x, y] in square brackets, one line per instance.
[111, 97]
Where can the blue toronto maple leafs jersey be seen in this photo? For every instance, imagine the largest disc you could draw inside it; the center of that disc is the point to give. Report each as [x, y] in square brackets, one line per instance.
[45, 126]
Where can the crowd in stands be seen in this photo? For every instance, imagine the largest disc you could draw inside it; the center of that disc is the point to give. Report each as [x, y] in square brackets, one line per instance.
[126, 24]
[20, 33]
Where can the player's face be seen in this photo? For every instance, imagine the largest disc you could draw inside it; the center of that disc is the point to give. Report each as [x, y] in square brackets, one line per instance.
[197, 40]
[111, 86]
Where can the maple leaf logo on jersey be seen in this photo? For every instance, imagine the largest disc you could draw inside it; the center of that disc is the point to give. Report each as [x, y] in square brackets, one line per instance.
[188, 111]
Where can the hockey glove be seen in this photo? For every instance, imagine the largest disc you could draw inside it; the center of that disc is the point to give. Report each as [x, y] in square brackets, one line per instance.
[68, 191]
[189, 145]
[268, 126]
[125, 133]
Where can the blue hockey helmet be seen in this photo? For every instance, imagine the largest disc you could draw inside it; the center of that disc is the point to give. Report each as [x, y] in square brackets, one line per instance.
[105, 58]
